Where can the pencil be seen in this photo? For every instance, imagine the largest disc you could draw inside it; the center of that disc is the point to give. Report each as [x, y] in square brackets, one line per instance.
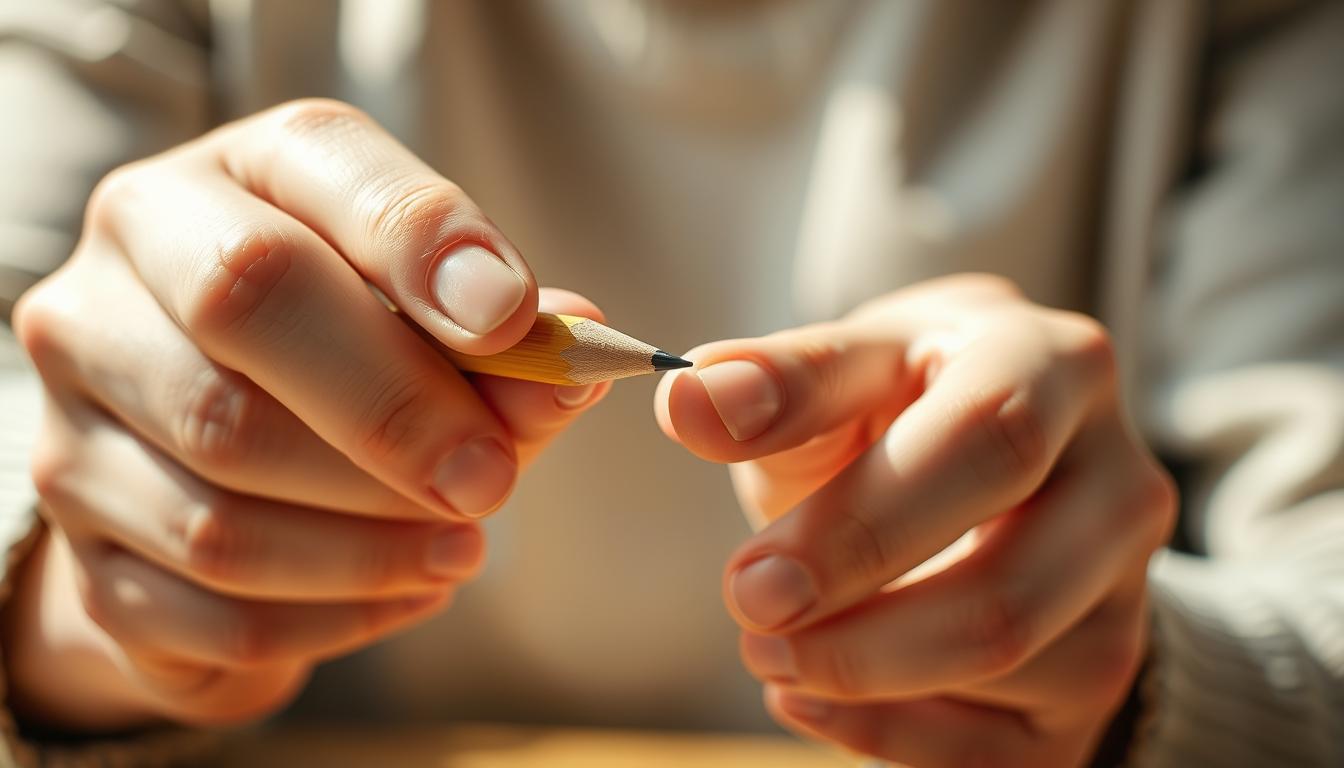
[569, 350]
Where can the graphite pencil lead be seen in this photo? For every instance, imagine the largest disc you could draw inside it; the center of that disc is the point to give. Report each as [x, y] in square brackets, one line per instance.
[662, 361]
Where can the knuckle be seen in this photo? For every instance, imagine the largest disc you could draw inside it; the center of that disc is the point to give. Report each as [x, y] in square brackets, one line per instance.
[395, 414]
[111, 194]
[1012, 440]
[51, 468]
[99, 604]
[317, 119]
[216, 546]
[984, 284]
[217, 425]
[997, 632]
[1156, 502]
[381, 568]
[237, 276]
[402, 213]
[820, 355]
[40, 322]
[861, 549]
[837, 670]
[1090, 347]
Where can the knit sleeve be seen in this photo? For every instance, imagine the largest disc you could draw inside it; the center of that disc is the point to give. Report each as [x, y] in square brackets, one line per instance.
[1248, 323]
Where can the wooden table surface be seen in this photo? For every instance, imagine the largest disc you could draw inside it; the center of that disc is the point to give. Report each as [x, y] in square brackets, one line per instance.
[500, 746]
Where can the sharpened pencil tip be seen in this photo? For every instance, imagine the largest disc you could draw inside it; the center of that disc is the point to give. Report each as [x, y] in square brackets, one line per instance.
[665, 362]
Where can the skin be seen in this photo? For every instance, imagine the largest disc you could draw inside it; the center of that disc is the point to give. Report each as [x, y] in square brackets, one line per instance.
[247, 464]
[240, 465]
[954, 411]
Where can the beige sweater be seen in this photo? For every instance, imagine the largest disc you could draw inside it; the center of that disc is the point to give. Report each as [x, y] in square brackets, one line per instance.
[1175, 167]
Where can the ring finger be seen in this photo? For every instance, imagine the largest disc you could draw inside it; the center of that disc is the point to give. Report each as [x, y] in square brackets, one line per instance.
[114, 487]
[157, 616]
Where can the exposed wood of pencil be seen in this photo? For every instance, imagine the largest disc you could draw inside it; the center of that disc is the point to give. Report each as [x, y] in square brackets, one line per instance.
[564, 349]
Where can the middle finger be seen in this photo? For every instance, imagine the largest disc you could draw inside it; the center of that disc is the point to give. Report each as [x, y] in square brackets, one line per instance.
[210, 419]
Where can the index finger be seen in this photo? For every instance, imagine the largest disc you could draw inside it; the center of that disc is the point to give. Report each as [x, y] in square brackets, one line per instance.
[262, 295]
[978, 442]
[405, 228]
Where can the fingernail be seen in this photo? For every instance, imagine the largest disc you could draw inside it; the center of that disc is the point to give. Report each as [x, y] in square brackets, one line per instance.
[453, 552]
[772, 590]
[771, 657]
[746, 396]
[571, 398]
[476, 288]
[476, 477]
[805, 708]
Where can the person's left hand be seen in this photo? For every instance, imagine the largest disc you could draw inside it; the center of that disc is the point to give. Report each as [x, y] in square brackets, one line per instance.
[953, 411]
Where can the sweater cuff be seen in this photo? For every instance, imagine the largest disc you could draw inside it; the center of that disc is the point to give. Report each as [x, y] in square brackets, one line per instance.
[1230, 682]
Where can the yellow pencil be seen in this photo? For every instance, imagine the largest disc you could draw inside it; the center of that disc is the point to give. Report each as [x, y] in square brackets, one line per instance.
[564, 349]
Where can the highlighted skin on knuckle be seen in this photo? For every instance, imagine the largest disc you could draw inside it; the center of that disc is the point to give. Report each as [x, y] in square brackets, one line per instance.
[98, 605]
[104, 599]
[217, 548]
[863, 556]
[1144, 510]
[1007, 440]
[835, 669]
[217, 425]
[819, 353]
[1090, 349]
[396, 414]
[382, 567]
[1158, 503]
[407, 216]
[38, 320]
[113, 194]
[977, 286]
[52, 468]
[318, 120]
[234, 283]
[997, 632]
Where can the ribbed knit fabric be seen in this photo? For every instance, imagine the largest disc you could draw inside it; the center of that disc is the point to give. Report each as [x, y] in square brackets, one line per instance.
[1250, 655]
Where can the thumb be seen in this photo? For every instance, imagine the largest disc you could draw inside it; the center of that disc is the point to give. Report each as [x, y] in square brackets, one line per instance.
[747, 399]
[414, 235]
[789, 410]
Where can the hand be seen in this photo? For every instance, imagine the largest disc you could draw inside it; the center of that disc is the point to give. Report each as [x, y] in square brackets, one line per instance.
[247, 463]
[954, 411]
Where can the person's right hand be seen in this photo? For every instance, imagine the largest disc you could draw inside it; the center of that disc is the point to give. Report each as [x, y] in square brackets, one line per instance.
[247, 463]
